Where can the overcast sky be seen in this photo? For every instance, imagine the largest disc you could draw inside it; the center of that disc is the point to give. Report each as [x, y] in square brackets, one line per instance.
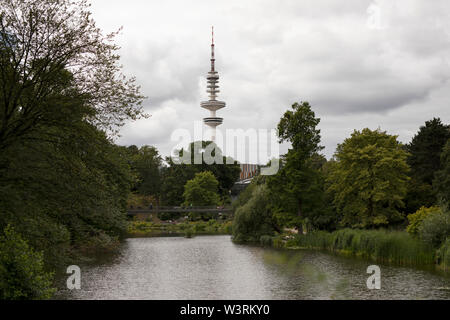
[359, 63]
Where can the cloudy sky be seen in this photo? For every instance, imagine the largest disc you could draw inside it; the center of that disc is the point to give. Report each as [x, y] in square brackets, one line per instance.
[360, 63]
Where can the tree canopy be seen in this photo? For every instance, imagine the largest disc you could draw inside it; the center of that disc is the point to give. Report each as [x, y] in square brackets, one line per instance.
[425, 150]
[369, 179]
[202, 190]
[50, 49]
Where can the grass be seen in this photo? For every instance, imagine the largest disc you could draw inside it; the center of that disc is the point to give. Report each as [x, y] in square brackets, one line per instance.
[382, 246]
[189, 229]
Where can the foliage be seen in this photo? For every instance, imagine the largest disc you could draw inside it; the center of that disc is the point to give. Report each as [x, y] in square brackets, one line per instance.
[419, 194]
[146, 163]
[40, 41]
[297, 189]
[200, 156]
[435, 228]
[378, 245]
[369, 179]
[441, 182]
[202, 190]
[22, 274]
[425, 150]
[145, 228]
[254, 219]
[416, 219]
[63, 183]
[138, 201]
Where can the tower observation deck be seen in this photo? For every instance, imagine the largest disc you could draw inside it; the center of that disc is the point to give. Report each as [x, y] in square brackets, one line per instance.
[213, 89]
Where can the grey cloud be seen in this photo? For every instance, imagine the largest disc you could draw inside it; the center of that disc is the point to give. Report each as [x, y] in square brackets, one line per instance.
[271, 54]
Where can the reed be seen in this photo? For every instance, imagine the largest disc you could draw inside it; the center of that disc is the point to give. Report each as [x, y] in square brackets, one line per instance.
[379, 245]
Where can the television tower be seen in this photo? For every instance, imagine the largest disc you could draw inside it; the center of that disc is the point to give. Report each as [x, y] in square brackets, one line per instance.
[213, 89]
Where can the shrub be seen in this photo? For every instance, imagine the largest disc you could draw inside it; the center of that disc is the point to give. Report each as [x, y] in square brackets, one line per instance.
[416, 219]
[435, 228]
[22, 274]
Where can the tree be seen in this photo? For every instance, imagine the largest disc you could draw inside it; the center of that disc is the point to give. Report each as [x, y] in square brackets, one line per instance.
[253, 219]
[425, 150]
[178, 172]
[297, 184]
[174, 178]
[202, 190]
[369, 179]
[42, 40]
[147, 162]
[441, 182]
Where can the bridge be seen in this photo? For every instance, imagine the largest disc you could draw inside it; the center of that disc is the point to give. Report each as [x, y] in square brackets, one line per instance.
[156, 210]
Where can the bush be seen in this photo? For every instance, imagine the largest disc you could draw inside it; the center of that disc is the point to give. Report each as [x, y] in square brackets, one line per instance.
[22, 274]
[435, 228]
[416, 219]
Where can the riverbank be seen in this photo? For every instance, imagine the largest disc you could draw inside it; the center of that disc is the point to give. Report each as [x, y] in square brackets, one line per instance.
[394, 247]
[186, 228]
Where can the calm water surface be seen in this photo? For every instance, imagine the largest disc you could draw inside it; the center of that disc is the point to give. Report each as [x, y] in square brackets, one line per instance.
[213, 267]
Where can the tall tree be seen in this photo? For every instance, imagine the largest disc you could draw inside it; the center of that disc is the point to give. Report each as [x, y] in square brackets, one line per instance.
[39, 41]
[369, 179]
[296, 183]
[425, 159]
[425, 150]
[441, 183]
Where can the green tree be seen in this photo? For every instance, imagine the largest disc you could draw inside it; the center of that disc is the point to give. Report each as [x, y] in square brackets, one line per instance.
[42, 40]
[425, 160]
[253, 219]
[441, 182]
[147, 162]
[425, 150]
[297, 187]
[22, 274]
[174, 177]
[369, 179]
[202, 190]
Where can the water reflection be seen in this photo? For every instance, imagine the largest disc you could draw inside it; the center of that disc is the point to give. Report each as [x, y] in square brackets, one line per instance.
[213, 267]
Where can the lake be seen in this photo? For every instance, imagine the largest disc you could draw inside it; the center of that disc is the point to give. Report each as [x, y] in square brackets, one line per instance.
[212, 267]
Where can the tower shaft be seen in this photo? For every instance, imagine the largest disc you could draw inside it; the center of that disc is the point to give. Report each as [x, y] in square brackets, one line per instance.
[213, 89]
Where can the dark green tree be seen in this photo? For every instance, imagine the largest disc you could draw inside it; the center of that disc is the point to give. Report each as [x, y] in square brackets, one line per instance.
[425, 150]
[425, 160]
[296, 188]
[147, 163]
[441, 182]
